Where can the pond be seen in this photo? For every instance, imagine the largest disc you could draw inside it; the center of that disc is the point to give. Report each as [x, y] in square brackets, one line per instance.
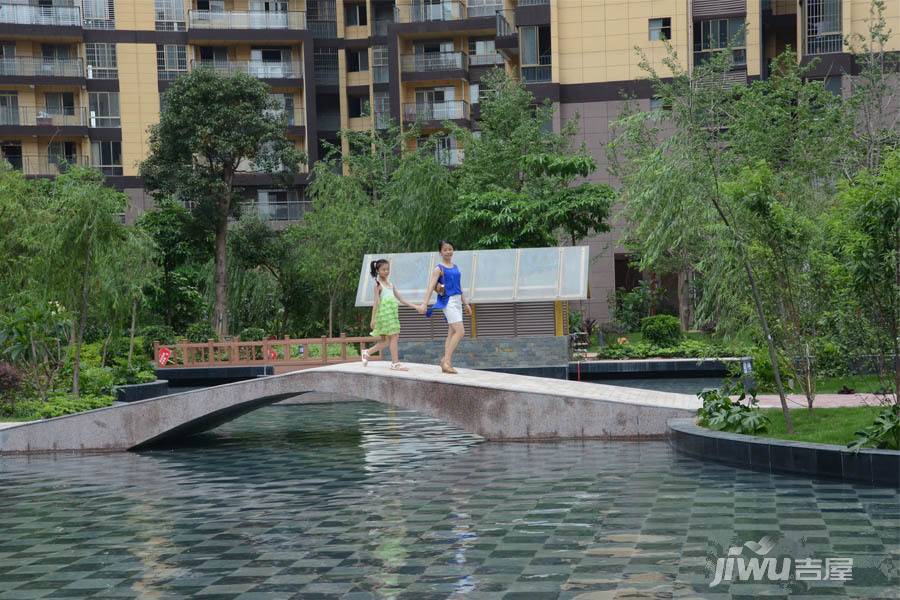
[360, 500]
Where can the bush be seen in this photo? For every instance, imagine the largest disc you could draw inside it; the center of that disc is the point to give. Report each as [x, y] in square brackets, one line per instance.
[884, 432]
[661, 330]
[574, 321]
[201, 331]
[721, 413]
[156, 333]
[764, 374]
[686, 349]
[56, 405]
[629, 307]
[136, 374]
[252, 334]
[97, 381]
[10, 379]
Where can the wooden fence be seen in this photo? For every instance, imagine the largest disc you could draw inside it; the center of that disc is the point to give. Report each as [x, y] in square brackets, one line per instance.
[284, 354]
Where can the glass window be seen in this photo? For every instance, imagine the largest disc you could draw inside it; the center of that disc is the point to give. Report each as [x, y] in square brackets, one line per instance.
[529, 41]
[356, 14]
[357, 60]
[171, 60]
[495, 276]
[169, 15]
[107, 156]
[717, 34]
[104, 107]
[538, 273]
[101, 61]
[473, 93]
[660, 29]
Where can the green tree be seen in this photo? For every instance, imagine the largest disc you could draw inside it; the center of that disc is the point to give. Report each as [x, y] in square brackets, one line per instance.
[85, 232]
[213, 126]
[517, 184]
[868, 228]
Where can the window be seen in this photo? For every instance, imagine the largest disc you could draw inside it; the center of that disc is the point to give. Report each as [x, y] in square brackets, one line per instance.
[357, 60]
[104, 109]
[169, 15]
[101, 61]
[171, 60]
[382, 102]
[357, 106]
[355, 14]
[660, 29]
[7, 50]
[473, 93]
[59, 103]
[61, 153]
[284, 105]
[833, 85]
[99, 14]
[53, 52]
[823, 26]
[380, 64]
[277, 205]
[717, 34]
[107, 156]
[535, 53]
[659, 104]
[483, 52]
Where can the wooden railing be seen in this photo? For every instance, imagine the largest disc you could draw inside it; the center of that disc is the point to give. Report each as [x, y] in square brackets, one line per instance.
[284, 354]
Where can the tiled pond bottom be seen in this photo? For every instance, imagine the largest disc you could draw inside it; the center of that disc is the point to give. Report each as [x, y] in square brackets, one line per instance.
[362, 501]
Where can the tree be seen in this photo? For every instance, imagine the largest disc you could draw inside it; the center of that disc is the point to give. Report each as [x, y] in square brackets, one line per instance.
[868, 228]
[517, 183]
[178, 239]
[212, 127]
[86, 231]
[342, 227]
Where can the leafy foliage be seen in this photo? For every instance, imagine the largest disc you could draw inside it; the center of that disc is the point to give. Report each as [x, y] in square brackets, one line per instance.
[721, 413]
[661, 330]
[884, 431]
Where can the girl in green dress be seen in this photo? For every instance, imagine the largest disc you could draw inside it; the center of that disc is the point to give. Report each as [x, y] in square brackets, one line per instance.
[385, 313]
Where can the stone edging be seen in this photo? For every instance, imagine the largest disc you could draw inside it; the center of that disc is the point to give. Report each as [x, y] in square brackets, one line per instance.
[142, 391]
[874, 467]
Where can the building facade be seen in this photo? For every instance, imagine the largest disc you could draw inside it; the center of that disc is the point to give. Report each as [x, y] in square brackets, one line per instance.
[81, 82]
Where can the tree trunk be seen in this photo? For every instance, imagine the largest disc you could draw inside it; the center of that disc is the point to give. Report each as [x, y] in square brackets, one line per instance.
[82, 322]
[330, 315]
[166, 297]
[106, 348]
[685, 312]
[220, 312]
[134, 304]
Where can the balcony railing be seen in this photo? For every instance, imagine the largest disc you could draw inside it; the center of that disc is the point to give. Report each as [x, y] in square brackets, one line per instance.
[263, 70]
[24, 14]
[380, 27]
[323, 28]
[287, 210]
[380, 74]
[449, 157]
[41, 67]
[537, 74]
[533, 2]
[254, 19]
[435, 111]
[419, 12]
[506, 23]
[382, 119]
[434, 61]
[45, 165]
[294, 116]
[480, 60]
[483, 9]
[31, 116]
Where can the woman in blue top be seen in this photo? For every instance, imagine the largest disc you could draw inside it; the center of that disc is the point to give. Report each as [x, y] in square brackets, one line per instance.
[451, 301]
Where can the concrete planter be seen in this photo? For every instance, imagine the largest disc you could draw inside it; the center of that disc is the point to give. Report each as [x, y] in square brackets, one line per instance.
[142, 391]
[874, 467]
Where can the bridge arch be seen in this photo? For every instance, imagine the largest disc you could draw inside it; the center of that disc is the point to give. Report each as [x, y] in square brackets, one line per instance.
[496, 406]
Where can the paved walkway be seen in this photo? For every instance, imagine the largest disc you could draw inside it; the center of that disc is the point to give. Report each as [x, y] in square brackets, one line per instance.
[822, 400]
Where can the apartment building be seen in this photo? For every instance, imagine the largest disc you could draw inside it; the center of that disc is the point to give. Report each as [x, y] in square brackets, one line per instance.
[80, 82]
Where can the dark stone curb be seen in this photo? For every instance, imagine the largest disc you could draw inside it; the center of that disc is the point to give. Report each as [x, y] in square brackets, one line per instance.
[142, 391]
[656, 367]
[874, 467]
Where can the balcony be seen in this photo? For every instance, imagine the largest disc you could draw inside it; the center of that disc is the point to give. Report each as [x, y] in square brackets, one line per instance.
[433, 113]
[479, 8]
[262, 70]
[507, 37]
[539, 73]
[420, 12]
[294, 117]
[27, 66]
[12, 118]
[379, 28]
[449, 157]
[45, 166]
[485, 60]
[207, 19]
[54, 16]
[284, 210]
[534, 3]
[434, 65]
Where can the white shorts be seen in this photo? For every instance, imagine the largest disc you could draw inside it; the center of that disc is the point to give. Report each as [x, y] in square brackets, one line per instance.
[453, 312]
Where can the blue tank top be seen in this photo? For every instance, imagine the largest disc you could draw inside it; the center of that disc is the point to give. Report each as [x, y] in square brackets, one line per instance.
[452, 280]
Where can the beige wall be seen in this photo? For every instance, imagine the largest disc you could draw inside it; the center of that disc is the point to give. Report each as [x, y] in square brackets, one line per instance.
[855, 20]
[138, 100]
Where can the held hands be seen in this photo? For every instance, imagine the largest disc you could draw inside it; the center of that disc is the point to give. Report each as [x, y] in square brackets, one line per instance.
[420, 308]
[468, 308]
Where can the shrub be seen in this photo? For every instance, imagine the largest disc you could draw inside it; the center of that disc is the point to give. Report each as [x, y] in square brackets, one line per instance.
[661, 330]
[56, 405]
[201, 331]
[575, 321]
[764, 375]
[252, 334]
[721, 413]
[884, 432]
[97, 380]
[629, 307]
[10, 379]
[156, 333]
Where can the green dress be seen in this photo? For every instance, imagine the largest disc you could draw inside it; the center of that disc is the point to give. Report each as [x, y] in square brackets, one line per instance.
[387, 319]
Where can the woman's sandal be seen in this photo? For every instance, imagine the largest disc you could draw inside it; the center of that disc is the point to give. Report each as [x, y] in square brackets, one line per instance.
[365, 357]
[447, 368]
[398, 367]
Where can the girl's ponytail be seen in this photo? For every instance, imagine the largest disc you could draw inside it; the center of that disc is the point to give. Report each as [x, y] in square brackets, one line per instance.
[375, 265]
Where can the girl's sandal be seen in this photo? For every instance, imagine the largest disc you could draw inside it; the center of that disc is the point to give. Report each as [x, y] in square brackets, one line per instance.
[365, 357]
[398, 367]
[447, 368]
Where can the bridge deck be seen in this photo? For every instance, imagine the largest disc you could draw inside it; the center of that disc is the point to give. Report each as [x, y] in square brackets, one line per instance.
[497, 406]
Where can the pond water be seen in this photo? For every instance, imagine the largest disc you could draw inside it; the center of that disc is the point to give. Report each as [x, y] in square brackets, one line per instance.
[362, 501]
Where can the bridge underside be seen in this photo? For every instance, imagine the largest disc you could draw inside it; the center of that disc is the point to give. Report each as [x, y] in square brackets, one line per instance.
[496, 406]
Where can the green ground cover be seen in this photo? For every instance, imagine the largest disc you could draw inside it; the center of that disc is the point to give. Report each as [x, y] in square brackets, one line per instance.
[822, 425]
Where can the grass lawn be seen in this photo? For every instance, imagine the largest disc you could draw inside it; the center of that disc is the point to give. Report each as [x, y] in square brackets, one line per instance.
[858, 383]
[823, 425]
